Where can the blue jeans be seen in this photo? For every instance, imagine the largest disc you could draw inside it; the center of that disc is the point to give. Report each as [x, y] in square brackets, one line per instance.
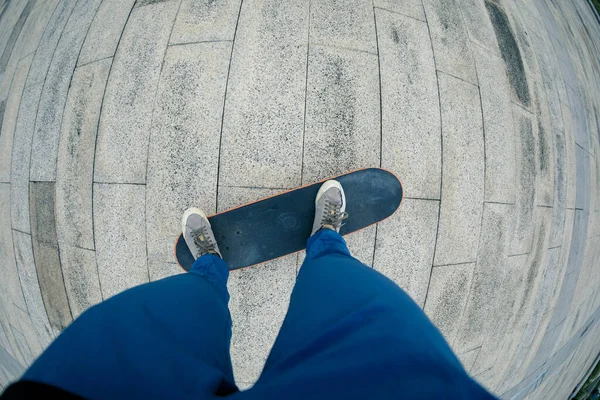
[349, 333]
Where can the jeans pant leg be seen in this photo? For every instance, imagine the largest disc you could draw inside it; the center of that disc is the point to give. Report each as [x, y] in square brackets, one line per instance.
[352, 333]
[165, 339]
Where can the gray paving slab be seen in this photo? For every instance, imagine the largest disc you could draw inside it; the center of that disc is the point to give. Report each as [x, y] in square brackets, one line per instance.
[579, 121]
[564, 60]
[555, 59]
[560, 189]
[535, 266]
[121, 152]
[4, 342]
[563, 303]
[582, 197]
[536, 324]
[410, 8]
[2, 109]
[34, 27]
[205, 21]
[11, 287]
[405, 245]
[23, 345]
[478, 25]
[5, 322]
[511, 53]
[49, 41]
[521, 35]
[526, 167]
[21, 156]
[265, 97]
[81, 280]
[41, 205]
[486, 379]
[26, 328]
[105, 31]
[362, 244]
[259, 298]
[119, 220]
[184, 144]
[342, 130]
[163, 269]
[10, 365]
[450, 39]
[447, 296]
[75, 162]
[26, 42]
[545, 147]
[231, 196]
[9, 120]
[576, 251]
[15, 32]
[83, 14]
[462, 172]
[549, 76]
[570, 157]
[349, 24]
[46, 138]
[564, 252]
[495, 350]
[31, 288]
[468, 358]
[499, 132]
[46, 254]
[545, 348]
[484, 302]
[565, 333]
[411, 131]
[9, 28]
[9, 16]
[531, 16]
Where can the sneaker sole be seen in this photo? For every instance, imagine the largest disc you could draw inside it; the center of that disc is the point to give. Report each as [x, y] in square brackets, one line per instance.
[328, 185]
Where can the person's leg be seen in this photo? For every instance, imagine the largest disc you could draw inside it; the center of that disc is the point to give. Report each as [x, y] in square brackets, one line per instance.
[350, 332]
[165, 339]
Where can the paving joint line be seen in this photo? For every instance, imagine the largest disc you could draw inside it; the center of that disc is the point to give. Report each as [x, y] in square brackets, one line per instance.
[380, 120]
[118, 183]
[198, 41]
[91, 62]
[456, 77]
[305, 95]
[528, 111]
[344, 48]
[419, 198]
[454, 264]
[224, 104]
[499, 203]
[398, 13]
[96, 143]
[152, 116]
[437, 79]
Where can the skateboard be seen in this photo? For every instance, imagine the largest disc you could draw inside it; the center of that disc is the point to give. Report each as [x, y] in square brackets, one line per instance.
[279, 225]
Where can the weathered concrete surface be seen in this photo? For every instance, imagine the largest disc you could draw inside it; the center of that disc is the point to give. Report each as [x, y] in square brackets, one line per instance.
[115, 116]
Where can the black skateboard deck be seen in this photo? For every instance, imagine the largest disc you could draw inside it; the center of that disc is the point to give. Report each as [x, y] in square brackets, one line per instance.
[279, 225]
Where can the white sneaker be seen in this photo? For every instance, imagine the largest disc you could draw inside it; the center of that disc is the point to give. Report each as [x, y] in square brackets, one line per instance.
[330, 207]
[198, 234]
